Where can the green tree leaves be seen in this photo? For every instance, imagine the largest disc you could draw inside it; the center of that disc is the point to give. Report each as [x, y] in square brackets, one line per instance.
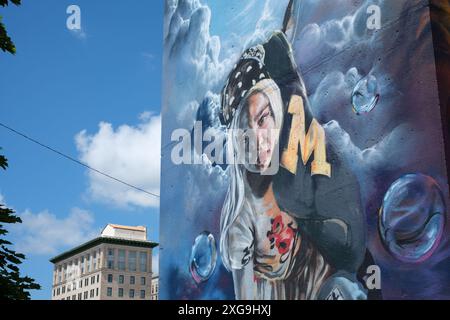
[4, 3]
[6, 44]
[12, 285]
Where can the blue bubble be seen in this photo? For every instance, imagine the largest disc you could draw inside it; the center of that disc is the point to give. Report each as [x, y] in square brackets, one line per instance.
[203, 257]
[365, 95]
[412, 218]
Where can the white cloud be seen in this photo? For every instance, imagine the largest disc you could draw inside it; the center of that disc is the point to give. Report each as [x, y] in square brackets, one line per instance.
[45, 233]
[79, 34]
[386, 154]
[194, 53]
[150, 60]
[322, 32]
[148, 55]
[129, 153]
[271, 19]
[243, 13]
[145, 116]
[379, 155]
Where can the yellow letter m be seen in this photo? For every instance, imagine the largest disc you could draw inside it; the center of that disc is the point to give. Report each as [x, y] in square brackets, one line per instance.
[309, 142]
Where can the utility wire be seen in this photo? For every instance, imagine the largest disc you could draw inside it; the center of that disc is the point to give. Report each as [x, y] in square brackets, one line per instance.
[77, 161]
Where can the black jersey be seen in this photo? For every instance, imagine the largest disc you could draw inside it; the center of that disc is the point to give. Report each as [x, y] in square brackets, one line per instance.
[318, 189]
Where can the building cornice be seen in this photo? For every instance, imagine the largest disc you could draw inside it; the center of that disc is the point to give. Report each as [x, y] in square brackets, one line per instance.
[101, 240]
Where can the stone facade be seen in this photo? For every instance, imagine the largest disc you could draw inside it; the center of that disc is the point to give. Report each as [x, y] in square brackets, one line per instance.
[106, 268]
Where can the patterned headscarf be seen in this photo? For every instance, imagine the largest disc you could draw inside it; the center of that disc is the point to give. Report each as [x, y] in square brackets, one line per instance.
[249, 70]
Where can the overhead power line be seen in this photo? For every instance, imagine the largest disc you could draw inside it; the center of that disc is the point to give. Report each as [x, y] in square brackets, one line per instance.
[76, 161]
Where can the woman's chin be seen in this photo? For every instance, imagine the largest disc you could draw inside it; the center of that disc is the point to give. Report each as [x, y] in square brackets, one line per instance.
[262, 168]
[264, 162]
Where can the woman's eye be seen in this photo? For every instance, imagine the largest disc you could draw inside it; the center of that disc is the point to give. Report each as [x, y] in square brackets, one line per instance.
[263, 118]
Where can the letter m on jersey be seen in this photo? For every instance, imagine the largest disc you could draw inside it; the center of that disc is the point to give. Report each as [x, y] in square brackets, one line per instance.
[309, 142]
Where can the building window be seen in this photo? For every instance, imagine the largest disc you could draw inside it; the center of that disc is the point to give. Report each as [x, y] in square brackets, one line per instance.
[91, 293]
[132, 280]
[64, 289]
[131, 294]
[88, 261]
[85, 295]
[110, 258]
[110, 278]
[132, 261]
[69, 270]
[59, 275]
[96, 292]
[98, 278]
[143, 261]
[82, 265]
[142, 294]
[74, 297]
[86, 282]
[58, 291]
[81, 283]
[155, 288]
[121, 279]
[93, 280]
[79, 296]
[120, 293]
[142, 281]
[121, 262]
[95, 260]
[109, 292]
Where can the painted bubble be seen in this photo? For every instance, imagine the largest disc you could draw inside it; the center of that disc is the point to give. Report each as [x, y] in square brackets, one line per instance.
[365, 95]
[412, 218]
[203, 257]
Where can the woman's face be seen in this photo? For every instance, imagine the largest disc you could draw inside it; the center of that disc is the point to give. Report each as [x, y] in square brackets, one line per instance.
[262, 121]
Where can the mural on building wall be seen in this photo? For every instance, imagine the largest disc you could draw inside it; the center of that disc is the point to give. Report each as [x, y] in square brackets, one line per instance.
[302, 154]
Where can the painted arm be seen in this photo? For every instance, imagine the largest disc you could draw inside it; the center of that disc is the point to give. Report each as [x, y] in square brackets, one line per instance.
[342, 219]
[291, 20]
[244, 285]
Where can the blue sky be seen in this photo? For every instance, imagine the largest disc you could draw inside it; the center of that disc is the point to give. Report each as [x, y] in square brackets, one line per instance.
[57, 85]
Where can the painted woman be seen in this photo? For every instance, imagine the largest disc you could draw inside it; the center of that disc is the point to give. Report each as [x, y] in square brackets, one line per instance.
[298, 232]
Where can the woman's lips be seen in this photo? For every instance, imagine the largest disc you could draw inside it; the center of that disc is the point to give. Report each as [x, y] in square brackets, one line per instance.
[264, 158]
